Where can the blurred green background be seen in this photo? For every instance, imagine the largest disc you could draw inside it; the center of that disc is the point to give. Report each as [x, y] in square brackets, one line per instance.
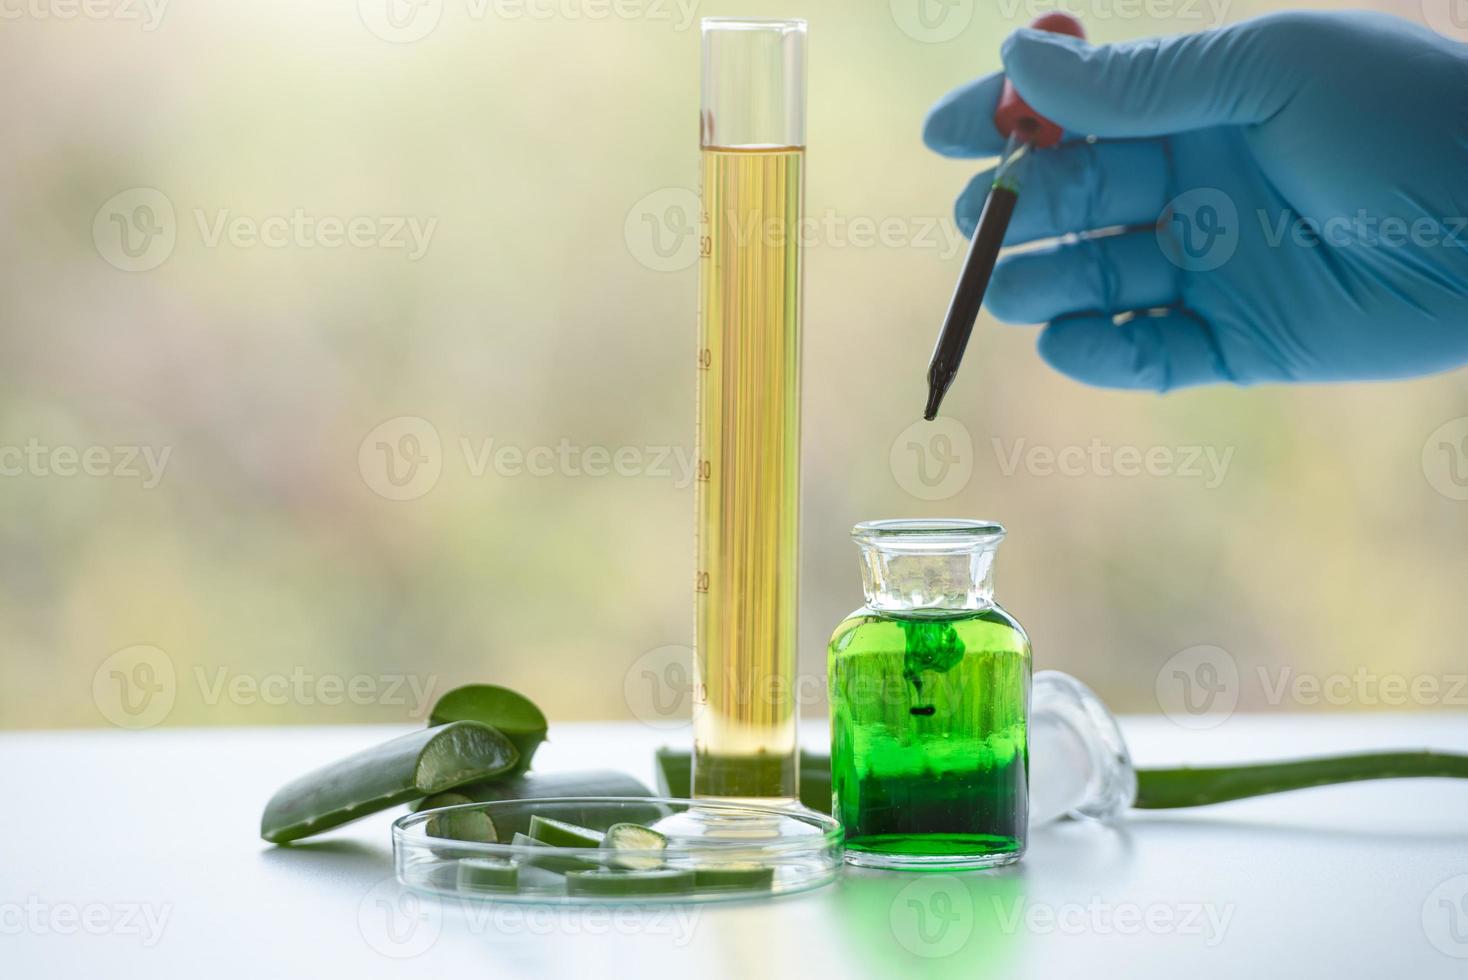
[269, 321]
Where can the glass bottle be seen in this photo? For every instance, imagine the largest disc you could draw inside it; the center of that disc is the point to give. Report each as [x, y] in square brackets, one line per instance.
[930, 693]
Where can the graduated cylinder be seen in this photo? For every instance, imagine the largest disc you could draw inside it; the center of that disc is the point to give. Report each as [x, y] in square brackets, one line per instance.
[748, 486]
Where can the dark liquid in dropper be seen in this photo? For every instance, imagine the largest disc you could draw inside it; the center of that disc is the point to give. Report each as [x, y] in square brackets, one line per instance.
[968, 298]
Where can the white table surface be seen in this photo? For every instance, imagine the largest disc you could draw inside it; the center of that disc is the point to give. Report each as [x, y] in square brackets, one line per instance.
[131, 854]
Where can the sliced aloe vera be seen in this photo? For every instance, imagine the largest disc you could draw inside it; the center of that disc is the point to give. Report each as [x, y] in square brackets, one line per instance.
[415, 765]
[635, 837]
[472, 824]
[499, 707]
[667, 881]
[488, 874]
[559, 833]
[550, 862]
[734, 877]
[554, 786]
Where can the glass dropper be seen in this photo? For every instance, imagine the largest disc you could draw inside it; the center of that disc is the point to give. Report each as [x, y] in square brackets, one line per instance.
[1026, 129]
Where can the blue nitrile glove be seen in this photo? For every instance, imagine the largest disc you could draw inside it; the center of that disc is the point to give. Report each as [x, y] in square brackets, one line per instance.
[1221, 151]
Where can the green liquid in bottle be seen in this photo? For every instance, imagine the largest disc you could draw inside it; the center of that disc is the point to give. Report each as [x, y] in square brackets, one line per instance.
[929, 754]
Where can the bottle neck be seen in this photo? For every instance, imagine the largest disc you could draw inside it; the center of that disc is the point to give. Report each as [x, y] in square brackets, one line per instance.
[928, 583]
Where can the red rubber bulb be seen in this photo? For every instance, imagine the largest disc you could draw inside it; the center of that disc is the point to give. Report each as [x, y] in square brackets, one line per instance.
[1014, 111]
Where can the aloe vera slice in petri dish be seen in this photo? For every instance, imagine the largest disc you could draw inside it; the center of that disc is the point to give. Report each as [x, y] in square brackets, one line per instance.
[554, 786]
[549, 786]
[488, 874]
[558, 833]
[397, 771]
[551, 862]
[499, 707]
[635, 837]
[666, 881]
[733, 877]
[473, 825]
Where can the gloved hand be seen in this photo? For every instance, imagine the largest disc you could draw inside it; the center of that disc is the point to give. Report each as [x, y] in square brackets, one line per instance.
[1353, 124]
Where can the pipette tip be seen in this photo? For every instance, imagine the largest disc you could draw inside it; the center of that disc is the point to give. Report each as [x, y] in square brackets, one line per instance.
[935, 398]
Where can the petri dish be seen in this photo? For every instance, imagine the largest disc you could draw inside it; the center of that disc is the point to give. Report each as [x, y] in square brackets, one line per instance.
[699, 851]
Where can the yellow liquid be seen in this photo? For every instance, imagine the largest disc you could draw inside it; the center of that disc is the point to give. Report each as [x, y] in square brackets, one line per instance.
[748, 484]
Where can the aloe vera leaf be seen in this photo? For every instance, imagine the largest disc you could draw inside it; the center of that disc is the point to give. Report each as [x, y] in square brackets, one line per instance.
[405, 768]
[1162, 789]
[499, 707]
[675, 777]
